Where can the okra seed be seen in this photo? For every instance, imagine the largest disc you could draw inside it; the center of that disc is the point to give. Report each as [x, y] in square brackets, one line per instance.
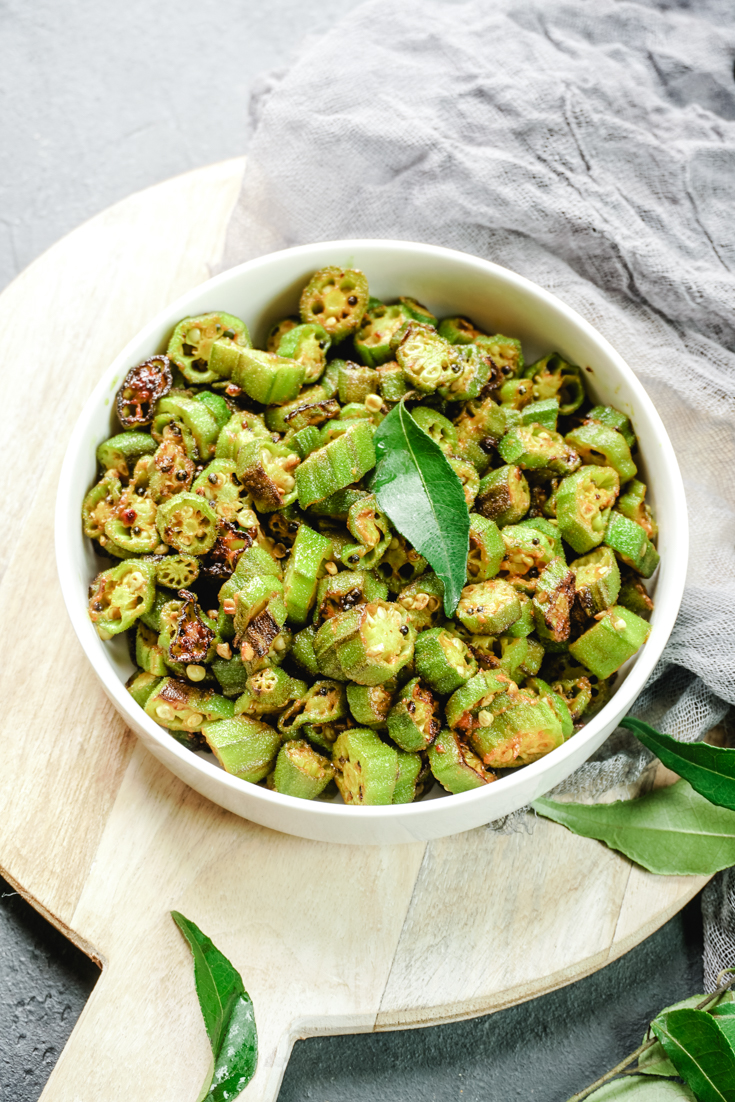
[165, 712]
[247, 652]
[212, 478]
[194, 720]
[331, 568]
[195, 673]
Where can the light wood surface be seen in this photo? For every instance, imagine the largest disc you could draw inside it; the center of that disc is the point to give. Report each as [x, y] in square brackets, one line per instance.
[104, 841]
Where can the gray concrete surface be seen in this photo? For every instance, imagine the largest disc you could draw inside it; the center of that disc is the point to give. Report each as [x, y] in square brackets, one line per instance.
[97, 100]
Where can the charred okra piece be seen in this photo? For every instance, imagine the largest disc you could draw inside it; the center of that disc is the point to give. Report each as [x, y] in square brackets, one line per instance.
[443, 660]
[533, 447]
[504, 495]
[629, 542]
[182, 707]
[423, 601]
[324, 703]
[366, 767]
[616, 637]
[132, 525]
[192, 638]
[412, 721]
[633, 596]
[553, 600]
[269, 691]
[632, 504]
[553, 377]
[170, 471]
[260, 618]
[369, 704]
[335, 298]
[583, 504]
[368, 644]
[518, 728]
[99, 505]
[267, 470]
[379, 325]
[471, 372]
[190, 347]
[300, 771]
[141, 389]
[467, 474]
[301, 578]
[597, 580]
[602, 446]
[117, 597]
[309, 345]
[188, 523]
[455, 766]
[244, 747]
[488, 608]
[219, 485]
[336, 465]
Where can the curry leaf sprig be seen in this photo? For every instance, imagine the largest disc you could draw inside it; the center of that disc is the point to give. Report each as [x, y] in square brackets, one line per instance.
[423, 497]
[691, 1055]
[228, 1015]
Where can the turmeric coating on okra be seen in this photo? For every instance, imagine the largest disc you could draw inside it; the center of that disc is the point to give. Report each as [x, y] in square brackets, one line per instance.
[282, 621]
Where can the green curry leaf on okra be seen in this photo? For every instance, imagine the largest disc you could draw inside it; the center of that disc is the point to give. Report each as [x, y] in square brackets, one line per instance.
[379, 553]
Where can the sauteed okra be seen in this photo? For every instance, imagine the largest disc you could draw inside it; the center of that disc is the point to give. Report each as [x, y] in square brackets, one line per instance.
[273, 612]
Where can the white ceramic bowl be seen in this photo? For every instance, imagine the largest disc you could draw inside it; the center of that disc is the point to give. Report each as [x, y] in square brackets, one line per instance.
[448, 282]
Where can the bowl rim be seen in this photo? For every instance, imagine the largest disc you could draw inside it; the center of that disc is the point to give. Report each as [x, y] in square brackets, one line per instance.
[65, 533]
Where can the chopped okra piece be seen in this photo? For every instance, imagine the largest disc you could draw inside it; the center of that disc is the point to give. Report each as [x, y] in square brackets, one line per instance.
[616, 637]
[368, 644]
[190, 346]
[190, 420]
[423, 601]
[117, 597]
[267, 377]
[324, 703]
[527, 548]
[467, 474]
[488, 608]
[336, 465]
[182, 707]
[267, 471]
[443, 661]
[339, 592]
[437, 426]
[140, 390]
[141, 685]
[219, 485]
[614, 419]
[132, 524]
[240, 429]
[553, 601]
[553, 377]
[216, 405]
[302, 651]
[515, 394]
[417, 310]
[148, 654]
[427, 360]
[412, 721]
[278, 331]
[170, 471]
[632, 505]
[504, 495]
[464, 707]
[455, 766]
[188, 523]
[597, 580]
[458, 330]
[231, 675]
[369, 704]
[633, 596]
[506, 352]
[267, 691]
[306, 440]
[99, 505]
[300, 771]
[301, 577]
[471, 372]
[371, 528]
[584, 692]
[356, 382]
[629, 542]
[517, 729]
[310, 409]
[410, 778]
[379, 325]
[533, 447]
[557, 702]
[258, 596]
[392, 382]
[400, 564]
[544, 413]
[193, 637]
[120, 453]
[367, 768]
[255, 562]
[309, 345]
[244, 747]
[335, 298]
[583, 504]
[597, 444]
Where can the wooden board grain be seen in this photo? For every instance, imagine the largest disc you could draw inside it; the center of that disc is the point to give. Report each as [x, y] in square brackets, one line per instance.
[105, 842]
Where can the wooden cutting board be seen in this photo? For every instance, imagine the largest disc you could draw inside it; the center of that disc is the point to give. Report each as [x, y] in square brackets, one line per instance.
[105, 842]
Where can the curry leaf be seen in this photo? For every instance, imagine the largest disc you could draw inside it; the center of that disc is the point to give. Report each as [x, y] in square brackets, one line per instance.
[672, 831]
[637, 1089]
[424, 499]
[228, 1015]
[709, 769]
[700, 1052]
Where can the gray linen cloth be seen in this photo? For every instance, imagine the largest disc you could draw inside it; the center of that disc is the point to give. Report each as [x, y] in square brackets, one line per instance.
[590, 147]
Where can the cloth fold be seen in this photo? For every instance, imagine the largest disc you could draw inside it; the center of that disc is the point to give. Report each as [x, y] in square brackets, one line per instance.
[590, 148]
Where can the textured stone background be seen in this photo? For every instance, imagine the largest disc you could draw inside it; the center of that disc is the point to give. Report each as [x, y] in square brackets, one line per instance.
[99, 99]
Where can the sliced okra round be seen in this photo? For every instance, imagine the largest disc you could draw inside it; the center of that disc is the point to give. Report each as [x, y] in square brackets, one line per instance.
[458, 330]
[469, 478]
[117, 597]
[471, 372]
[554, 377]
[369, 704]
[132, 525]
[120, 453]
[339, 592]
[267, 471]
[412, 721]
[176, 571]
[553, 600]
[171, 471]
[614, 419]
[400, 564]
[278, 331]
[487, 608]
[240, 429]
[477, 695]
[426, 359]
[182, 707]
[583, 504]
[632, 504]
[437, 426]
[268, 691]
[309, 345]
[188, 523]
[423, 601]
[487, 549]
[268, 377]
[379, 325]
[505, 352]
[190, 419]
[597, 444]
[411, 778]
[455, 766]
[612, 640]
[533, 447]
[324, 702]
[526, 548]
[596, 580]
[368, 644]
[443, 661]
[519, 728]
[141, 389]
[190, 347]
[335, 298]
[300, 771]
[99, 505]
[371, 528]
[366, 768]
[245, 747]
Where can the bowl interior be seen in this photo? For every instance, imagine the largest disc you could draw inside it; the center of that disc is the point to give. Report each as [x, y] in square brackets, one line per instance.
[267, 289]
